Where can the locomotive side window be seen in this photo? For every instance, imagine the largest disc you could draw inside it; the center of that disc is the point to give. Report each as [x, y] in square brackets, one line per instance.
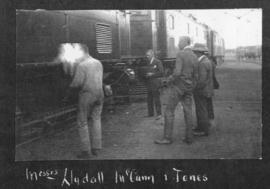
[104, 38]
[171, 22]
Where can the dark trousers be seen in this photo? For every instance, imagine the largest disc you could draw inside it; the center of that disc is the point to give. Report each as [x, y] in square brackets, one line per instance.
[174, 97]
[202, 113]
[210, 108]
[153, 98]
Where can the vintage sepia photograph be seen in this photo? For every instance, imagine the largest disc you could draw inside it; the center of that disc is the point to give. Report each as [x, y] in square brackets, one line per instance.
[138, 84]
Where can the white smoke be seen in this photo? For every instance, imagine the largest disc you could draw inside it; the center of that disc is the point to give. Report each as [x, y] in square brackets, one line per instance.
[69, 54]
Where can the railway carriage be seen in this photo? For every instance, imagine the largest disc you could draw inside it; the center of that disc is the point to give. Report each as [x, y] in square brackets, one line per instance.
[161, 29]
[215, 44]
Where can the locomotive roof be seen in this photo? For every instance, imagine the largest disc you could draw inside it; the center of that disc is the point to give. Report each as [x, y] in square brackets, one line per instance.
[86, 14]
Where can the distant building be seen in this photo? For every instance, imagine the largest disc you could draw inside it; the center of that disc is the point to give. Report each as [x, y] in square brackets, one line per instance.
[244, 53]
[249, 53]
[230, 54]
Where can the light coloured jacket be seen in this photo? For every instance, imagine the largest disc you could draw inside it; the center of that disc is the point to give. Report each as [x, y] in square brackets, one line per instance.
[185, 73]
[88, 77]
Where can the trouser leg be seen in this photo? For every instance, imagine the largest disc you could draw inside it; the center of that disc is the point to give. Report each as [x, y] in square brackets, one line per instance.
[110, 104]
[210, 108]
[202, 113]
[82, 124]
[157, 102]
[197, 111]
[172, 102]
[96, 130]
[187, 108]
[150, 103]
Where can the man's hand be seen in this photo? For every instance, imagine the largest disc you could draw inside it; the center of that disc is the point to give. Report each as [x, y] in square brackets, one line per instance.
[149, 74]
[107, 90]
[164, 82]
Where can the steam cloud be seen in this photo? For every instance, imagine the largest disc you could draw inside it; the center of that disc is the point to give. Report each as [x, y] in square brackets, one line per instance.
[69, 54]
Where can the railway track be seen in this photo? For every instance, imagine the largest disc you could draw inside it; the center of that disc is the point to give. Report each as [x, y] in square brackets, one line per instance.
[57, 120]
[45, 125]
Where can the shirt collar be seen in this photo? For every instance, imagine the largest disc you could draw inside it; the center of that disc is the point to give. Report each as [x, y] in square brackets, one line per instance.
[187, 47]
[201, 57]
[152, 60]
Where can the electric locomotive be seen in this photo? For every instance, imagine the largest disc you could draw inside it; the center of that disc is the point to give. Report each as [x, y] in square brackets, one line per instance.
[40, 82]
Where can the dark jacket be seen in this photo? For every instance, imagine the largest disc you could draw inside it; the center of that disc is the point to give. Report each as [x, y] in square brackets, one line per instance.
[205, 80]
[153, 82]
[185, 73]
[215, 81]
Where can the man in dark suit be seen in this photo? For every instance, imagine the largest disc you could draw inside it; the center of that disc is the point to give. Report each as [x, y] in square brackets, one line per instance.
[180, 87]
[203, 91]
[154, 72]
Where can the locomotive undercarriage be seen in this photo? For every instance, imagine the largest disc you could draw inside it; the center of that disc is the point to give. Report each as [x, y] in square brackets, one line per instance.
[41, 88]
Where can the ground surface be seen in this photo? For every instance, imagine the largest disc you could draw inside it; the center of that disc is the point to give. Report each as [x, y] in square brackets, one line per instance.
[127, 134]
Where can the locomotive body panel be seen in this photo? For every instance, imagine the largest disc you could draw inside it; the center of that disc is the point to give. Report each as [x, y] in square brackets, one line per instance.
[39, 33]
[42, 85]
[141, 32]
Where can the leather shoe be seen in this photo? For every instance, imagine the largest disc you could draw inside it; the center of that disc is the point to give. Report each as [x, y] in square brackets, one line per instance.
[94, 152]
[84, 155]
[149, 116]
[163, 141]
[187, 141]
[196, 129]
[200, 133]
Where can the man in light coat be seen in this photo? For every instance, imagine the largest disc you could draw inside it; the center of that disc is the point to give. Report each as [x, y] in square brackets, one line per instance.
[87, 75]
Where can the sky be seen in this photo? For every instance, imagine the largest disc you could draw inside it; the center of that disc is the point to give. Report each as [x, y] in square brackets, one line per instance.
[238, 27]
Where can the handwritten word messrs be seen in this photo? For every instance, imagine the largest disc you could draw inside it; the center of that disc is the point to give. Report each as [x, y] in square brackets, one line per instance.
[70, 178]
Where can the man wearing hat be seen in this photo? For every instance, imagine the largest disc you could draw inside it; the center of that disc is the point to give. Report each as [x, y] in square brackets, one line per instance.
[203, 90]
[180, 86]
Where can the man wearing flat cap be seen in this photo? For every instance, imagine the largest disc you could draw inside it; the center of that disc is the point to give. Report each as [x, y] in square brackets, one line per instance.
[180, 86]
[203, 91]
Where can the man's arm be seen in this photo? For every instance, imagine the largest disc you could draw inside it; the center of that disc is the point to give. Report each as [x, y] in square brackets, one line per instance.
[75, 84]
[203, 75]
[78, 78]
[160, 69]
[178, 68]
[195, 71]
